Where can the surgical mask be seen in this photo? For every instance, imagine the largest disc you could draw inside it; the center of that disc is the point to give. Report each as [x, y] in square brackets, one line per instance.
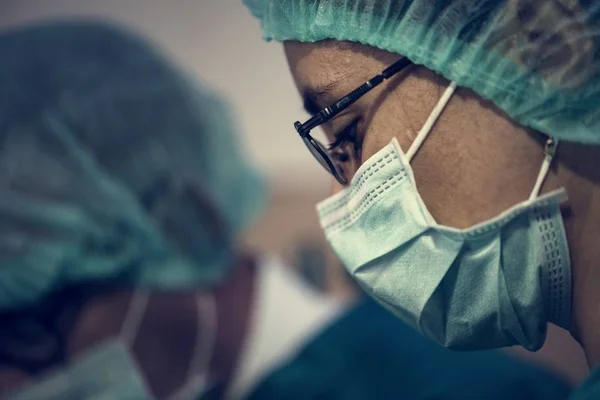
[495, 284]
[109, 371]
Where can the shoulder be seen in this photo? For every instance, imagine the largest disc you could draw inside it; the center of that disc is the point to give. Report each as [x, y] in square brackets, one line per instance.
[368, 353]
[590, 390]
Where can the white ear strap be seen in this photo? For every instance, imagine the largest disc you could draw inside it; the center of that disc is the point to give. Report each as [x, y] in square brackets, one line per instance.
[431, 120]
[550, 151]
[135, 313]
[205, 344]
[199, 369]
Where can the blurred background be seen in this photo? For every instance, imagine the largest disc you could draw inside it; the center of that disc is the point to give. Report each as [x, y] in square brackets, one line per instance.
[219, 41]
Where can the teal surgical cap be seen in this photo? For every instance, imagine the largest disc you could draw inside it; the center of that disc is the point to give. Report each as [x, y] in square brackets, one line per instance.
[100, 138]
[538, 60]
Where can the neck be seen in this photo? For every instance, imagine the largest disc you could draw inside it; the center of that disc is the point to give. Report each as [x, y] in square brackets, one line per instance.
[583, 228]
[586, 317]
[586, 307]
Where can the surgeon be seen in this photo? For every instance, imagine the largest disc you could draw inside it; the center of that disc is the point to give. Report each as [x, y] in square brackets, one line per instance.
[123, 193]
[463, 143]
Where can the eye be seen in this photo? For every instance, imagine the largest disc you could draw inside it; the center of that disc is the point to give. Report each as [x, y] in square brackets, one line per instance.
[340, 155]
[339, 149]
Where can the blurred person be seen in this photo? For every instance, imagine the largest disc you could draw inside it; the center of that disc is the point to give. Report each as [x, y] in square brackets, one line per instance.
[123, 192]
[456, 207]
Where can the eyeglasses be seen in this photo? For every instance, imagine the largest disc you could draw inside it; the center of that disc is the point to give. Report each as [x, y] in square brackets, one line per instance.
[316, 148]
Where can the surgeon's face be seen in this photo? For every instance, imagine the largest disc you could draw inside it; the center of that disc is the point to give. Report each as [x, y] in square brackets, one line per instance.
[475, 163]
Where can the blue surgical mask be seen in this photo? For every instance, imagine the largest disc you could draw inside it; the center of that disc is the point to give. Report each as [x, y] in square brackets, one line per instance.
[495, 284]
[109, 371]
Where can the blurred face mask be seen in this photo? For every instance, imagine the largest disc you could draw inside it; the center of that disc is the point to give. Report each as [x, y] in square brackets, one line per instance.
[493, 285]
[109, 371]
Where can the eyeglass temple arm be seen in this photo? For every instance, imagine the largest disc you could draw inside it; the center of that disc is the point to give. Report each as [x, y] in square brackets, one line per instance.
[329, 112]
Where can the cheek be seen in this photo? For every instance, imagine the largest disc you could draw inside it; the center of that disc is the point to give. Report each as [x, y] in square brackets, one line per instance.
[384, 127]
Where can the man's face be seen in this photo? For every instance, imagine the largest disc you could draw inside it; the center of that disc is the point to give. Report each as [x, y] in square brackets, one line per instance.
[325, 72]
[475, 163]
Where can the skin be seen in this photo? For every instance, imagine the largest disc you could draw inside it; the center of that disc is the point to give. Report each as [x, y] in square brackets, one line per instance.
[474, 164]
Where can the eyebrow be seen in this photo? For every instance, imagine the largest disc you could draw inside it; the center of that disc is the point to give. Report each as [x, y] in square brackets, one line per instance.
[313, 94]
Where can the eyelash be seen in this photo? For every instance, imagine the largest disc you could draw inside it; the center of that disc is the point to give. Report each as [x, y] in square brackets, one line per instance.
[346, 136]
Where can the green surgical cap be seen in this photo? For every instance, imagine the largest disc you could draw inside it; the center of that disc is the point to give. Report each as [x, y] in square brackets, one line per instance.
[99, 140]
[538, 60]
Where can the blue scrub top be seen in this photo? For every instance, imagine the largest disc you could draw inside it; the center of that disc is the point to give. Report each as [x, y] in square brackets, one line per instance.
[370, 354]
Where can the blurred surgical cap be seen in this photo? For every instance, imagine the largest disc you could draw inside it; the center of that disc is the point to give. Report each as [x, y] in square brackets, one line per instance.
[100, 138]
[538, 60]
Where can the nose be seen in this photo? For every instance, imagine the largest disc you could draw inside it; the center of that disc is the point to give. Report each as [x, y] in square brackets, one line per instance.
[336, 186]
[348, 169]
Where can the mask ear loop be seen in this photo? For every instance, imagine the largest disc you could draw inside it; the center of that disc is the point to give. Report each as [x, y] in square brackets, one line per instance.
[199, 370]
[431, 120]
[550, 152]
[134, 317]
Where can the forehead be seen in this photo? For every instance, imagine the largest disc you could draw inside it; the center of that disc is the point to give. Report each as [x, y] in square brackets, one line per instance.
[331, 63]
[321, 62]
